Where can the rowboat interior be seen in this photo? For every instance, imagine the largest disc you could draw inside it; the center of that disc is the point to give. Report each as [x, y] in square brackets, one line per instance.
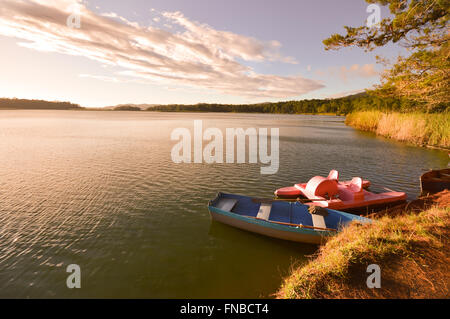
[293, 214]
[435, 181]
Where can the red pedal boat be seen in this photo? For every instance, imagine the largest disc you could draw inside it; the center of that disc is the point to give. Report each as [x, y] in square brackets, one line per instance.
[349, 196]
[296, 190]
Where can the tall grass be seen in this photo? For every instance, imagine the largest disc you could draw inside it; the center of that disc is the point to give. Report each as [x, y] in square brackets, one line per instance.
[418, 128]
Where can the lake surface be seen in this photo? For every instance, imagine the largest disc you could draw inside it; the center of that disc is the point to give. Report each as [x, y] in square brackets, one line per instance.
[99, 189]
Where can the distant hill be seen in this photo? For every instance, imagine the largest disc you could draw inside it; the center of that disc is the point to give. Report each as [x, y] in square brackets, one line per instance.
[356, 95]
[22, 104]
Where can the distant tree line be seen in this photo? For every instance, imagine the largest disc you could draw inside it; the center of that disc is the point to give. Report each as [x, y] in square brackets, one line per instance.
[340, 106]
[37, 105]
[126, 108]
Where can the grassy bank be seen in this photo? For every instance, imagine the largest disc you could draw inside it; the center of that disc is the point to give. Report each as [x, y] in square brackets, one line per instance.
[411, 250]
[417, 128]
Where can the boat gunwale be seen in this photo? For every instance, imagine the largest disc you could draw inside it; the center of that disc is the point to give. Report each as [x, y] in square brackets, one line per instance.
[269, 224]
[291, 228]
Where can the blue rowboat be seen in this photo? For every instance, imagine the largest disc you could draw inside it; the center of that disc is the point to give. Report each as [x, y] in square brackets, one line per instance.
[279, 219]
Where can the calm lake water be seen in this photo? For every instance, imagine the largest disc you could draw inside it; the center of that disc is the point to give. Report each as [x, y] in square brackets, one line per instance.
[99, 189]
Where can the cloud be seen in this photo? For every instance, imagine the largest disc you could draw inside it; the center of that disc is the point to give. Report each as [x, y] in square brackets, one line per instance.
[345, 73]
[102, 78]
[198, 55]
[232, 45]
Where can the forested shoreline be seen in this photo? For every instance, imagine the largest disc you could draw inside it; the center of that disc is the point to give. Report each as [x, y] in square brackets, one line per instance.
[24, 104]
[338, 106]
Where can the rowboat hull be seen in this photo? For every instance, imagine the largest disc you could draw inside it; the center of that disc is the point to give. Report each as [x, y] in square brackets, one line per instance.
[435, 181]
[286, 221]
[264, 228]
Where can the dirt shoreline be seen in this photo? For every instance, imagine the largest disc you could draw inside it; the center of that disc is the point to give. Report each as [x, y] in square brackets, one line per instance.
[409, 242]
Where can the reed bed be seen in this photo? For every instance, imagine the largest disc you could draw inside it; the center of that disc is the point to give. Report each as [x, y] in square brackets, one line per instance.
[418, 128]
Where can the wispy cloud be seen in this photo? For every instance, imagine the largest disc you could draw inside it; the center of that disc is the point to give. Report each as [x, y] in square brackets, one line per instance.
[348, 72]
[198, 55]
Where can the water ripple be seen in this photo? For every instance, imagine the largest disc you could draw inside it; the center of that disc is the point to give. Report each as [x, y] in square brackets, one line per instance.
[98, 189]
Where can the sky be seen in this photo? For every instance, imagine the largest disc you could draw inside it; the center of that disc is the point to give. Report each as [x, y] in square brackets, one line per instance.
[107, 52]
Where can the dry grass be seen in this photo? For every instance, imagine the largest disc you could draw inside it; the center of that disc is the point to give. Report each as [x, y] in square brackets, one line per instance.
[416, 128]
[366, 121]
[411, 249]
